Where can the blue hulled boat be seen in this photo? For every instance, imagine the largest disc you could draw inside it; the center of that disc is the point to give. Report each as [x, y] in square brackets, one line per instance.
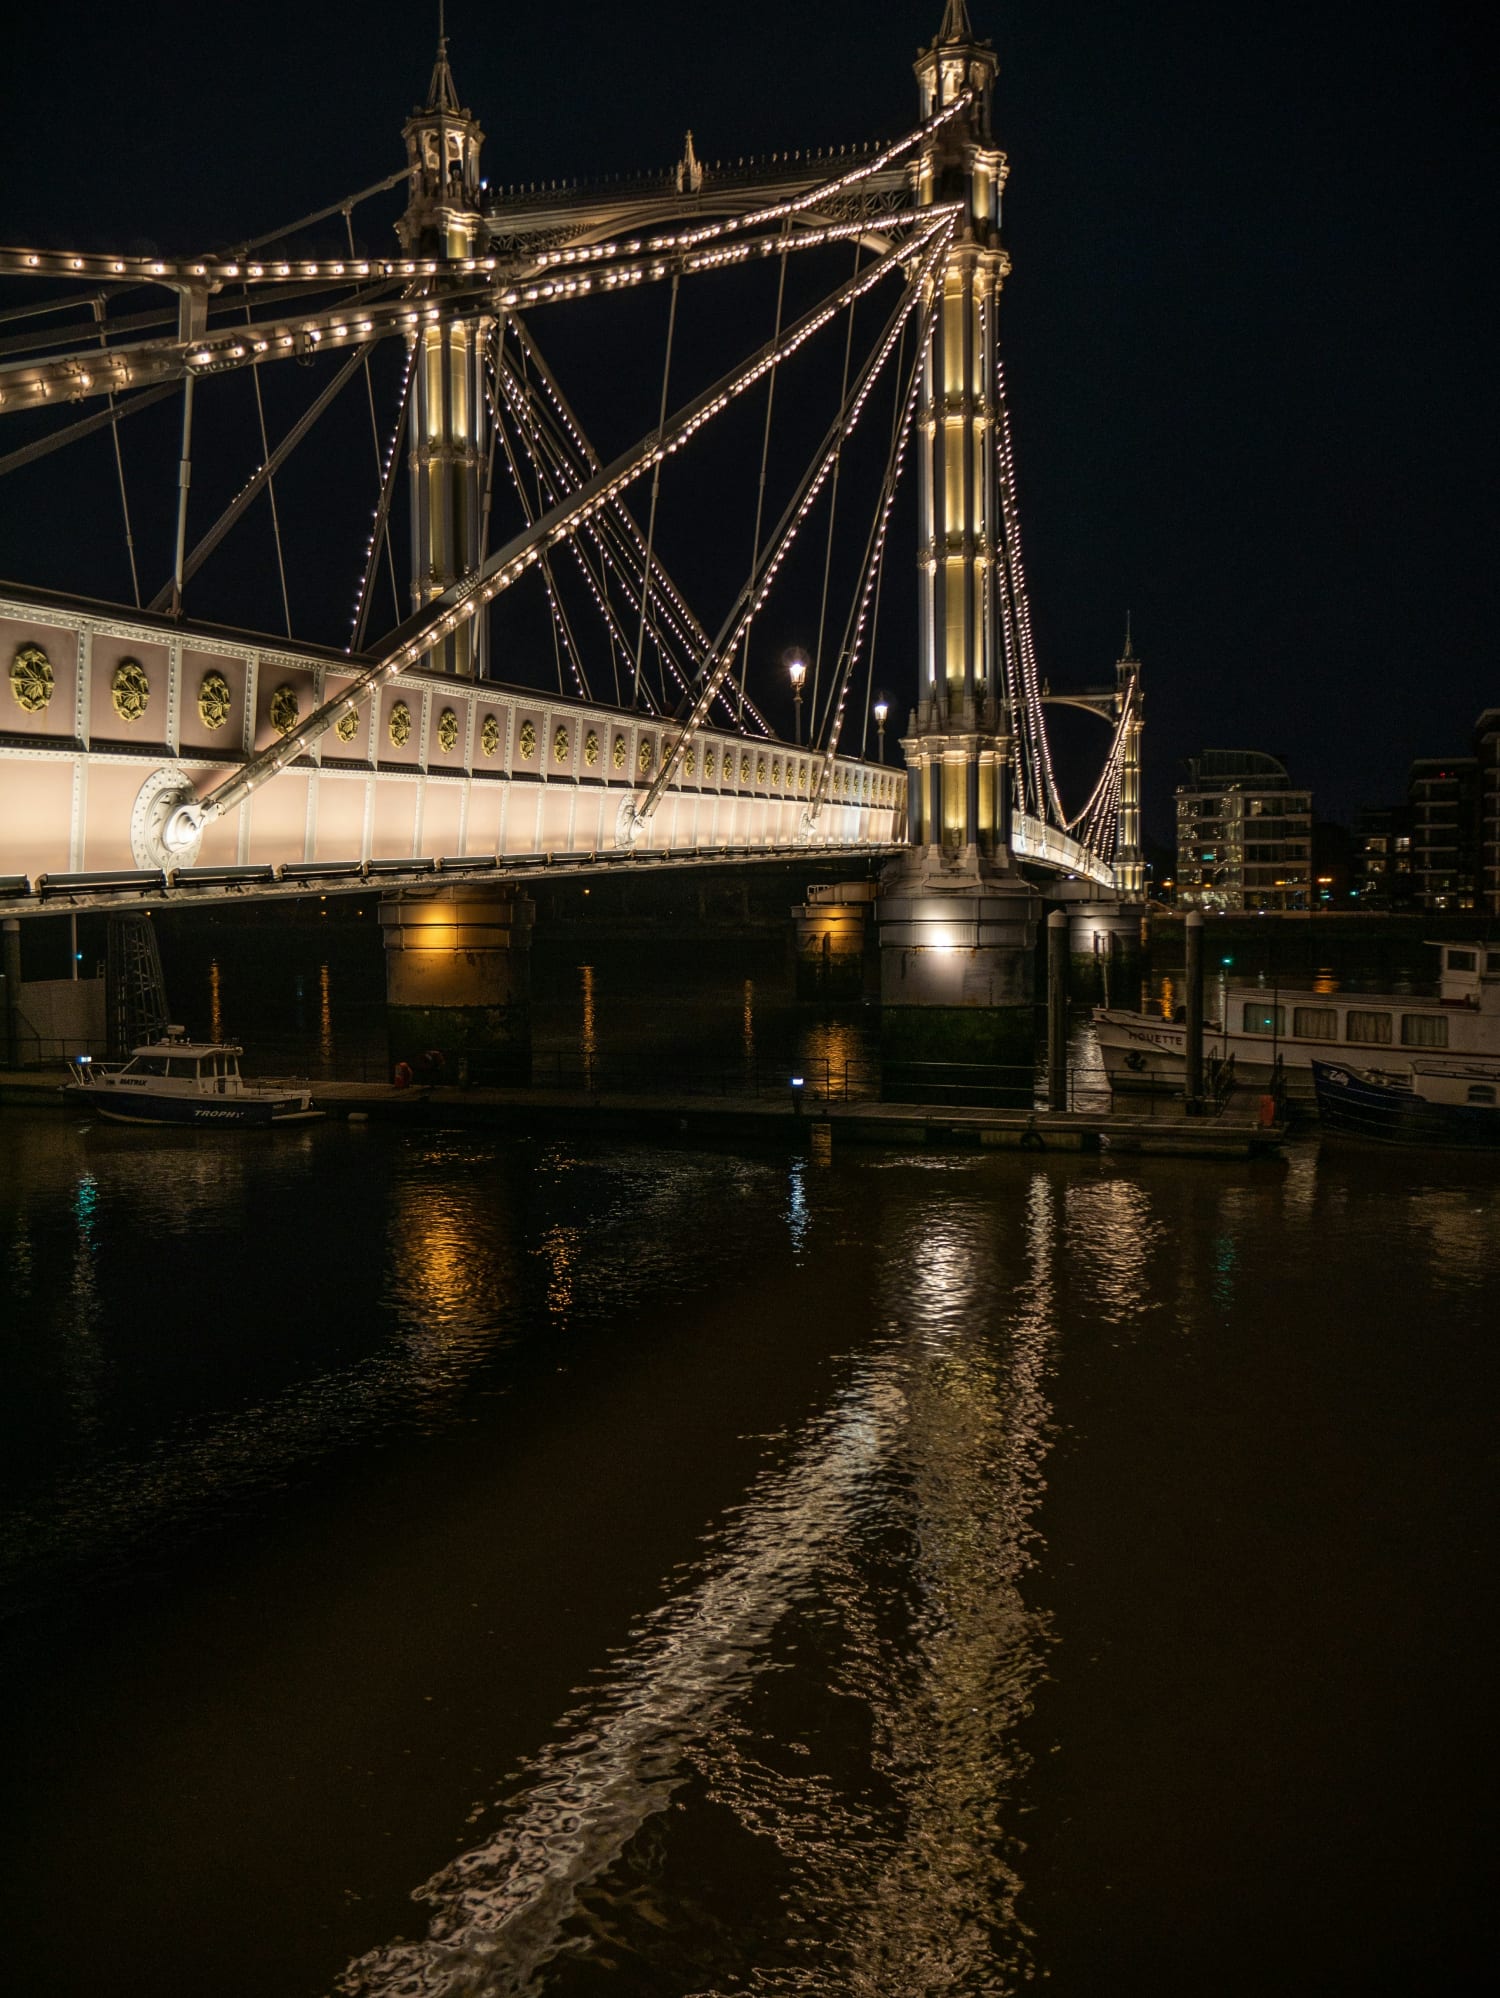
[1425, 1105]
[178, 1081]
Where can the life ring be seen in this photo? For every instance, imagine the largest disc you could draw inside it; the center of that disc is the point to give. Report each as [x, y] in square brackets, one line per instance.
[1031, 1141]
[403, 1075]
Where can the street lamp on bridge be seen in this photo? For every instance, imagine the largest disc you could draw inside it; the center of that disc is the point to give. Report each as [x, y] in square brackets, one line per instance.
[796, 666]
[882, 709]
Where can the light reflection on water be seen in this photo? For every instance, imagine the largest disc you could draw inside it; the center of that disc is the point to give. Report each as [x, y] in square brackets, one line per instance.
[916, 1486]
[809, 1759]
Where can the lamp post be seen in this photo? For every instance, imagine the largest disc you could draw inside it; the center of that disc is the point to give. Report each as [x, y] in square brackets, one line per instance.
[796, 667]
[882, 709]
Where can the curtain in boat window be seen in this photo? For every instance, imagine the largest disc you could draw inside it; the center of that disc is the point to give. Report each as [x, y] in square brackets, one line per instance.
[1371, 1029]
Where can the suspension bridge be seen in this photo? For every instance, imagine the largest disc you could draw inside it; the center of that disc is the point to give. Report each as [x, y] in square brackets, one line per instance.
[150, 755]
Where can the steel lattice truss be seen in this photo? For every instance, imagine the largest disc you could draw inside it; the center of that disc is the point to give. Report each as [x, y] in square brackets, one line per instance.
[254, 305]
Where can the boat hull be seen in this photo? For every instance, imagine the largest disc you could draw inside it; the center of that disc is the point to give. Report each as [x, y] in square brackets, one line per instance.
[1356, 1106]
[204, 1113]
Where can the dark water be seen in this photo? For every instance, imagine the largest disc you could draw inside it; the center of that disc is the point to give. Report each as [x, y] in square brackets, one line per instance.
[629, 1571]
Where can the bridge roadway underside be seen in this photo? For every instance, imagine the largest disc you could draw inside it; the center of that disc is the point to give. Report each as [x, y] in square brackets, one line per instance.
[440, 776]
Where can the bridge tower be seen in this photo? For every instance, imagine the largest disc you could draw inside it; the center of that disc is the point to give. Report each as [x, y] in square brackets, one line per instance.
[957, 920]
[1130, 862]
[446, 449]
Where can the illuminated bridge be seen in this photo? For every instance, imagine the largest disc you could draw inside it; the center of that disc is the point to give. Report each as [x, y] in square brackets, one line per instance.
[148, 756]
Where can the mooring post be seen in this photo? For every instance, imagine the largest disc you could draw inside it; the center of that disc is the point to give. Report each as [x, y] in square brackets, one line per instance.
[1192, 1086]
[1057, 1010]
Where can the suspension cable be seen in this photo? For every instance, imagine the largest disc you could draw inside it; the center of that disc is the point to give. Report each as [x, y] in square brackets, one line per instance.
[833, 502]
[265, 452]
[765, 452]
[661, 424]
[114, 425]
[380, 527]
[390, 553]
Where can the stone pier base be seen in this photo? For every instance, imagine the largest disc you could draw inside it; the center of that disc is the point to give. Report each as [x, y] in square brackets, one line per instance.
[1107, 958]
[957, 981]
[830, 932]
[458, 983]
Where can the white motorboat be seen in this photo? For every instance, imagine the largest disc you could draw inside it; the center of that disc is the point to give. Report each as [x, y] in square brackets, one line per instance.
[178, 1081]
[1276, 1030]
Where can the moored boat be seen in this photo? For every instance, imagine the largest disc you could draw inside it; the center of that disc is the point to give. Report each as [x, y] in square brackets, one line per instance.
[1425, 1105]
[1268, 1030]
[178, 1081]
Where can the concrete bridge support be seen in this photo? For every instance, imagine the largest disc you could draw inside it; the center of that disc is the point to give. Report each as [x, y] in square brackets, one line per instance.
[458, 982]
[831, 931]
[1104, 942]
[957, 981]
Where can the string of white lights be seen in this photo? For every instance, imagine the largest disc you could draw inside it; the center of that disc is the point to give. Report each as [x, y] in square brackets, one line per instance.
[381, 517]
[465, 599]
[786, 533]
[672, 607]
[860, 609]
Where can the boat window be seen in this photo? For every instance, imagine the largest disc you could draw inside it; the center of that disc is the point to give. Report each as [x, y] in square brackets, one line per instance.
[1424, 1030]
[148, 1065]
[1372, 1029]
[1462, 960]
[183, 1068]
[1481, 1092]
[1258, 1018]
[1315, 1023]
[1492, 961]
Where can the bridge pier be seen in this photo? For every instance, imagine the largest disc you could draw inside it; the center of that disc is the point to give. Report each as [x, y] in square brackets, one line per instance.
[957, 979]
[1104, 943]
[458, 982]
[830, 934]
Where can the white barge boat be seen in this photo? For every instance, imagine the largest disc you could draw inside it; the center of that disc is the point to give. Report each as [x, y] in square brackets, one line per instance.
[178, 1081]
[1278, 1030]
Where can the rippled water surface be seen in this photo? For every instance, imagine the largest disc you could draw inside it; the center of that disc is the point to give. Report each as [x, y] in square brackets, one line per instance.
[461, 1564]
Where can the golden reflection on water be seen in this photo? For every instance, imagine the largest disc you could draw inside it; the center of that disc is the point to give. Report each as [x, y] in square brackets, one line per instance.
[325, 1017]
[588, 1037]
[1168, 999]
[215, 1003]
[1325, 980]
[747, 1022]
[832, 1055]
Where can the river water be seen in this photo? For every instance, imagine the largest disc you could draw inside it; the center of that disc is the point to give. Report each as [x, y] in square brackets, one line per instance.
[464, 1563]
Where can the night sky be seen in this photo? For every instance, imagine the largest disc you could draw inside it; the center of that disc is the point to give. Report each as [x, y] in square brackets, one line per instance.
[1249, 332]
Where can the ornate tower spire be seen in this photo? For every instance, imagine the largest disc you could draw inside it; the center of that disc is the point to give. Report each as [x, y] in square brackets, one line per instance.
[955, 26]
[442, 93]
[446, 451]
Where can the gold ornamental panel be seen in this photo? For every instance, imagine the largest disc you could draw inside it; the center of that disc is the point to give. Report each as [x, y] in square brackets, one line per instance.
[347, 726]
[528, 740]
[776, 770]
[489, 735]
[744, 766]
[760, 770]
[447, 729]
[591, 749]
[31, 679]
[130, 690]
[561, 744]
[284, 710]
[617, 754]
[710, 762]
[215, 700]
[643, 756]
[398, 728]
[690, 762]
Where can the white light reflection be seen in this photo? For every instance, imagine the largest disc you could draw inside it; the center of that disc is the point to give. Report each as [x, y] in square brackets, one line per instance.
[500, 1910]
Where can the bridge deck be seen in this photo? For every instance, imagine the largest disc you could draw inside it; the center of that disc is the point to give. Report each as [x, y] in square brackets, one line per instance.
[437, 768]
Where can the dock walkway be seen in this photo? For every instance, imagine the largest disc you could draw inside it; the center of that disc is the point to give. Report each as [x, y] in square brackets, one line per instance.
[1233, 1133]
